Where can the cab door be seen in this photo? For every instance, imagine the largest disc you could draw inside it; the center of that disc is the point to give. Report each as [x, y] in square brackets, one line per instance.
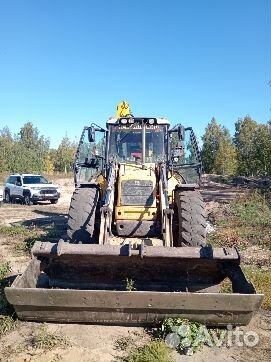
[18, 187]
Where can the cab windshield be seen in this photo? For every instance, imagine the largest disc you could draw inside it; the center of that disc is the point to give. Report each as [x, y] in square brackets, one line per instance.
[125, 143]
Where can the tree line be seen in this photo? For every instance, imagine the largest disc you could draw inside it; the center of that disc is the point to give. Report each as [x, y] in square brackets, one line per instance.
[247, 152]
[28, 152]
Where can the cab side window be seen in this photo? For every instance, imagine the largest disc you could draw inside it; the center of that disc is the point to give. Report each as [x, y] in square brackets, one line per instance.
[18, 181]
[11, 180]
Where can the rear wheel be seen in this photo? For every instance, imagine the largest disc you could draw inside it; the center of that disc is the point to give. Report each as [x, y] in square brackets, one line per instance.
[7, 197]
[82, 215]
[191, 217]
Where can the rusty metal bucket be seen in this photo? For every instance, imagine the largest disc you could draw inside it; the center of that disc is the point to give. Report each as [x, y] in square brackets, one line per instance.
[88, 283]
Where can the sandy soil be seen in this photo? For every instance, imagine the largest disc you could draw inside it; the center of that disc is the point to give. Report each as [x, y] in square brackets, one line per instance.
[91, 342]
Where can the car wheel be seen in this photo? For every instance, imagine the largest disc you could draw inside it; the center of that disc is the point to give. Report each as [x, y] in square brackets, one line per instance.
[7, 197]
[53, 201]
[27, 200]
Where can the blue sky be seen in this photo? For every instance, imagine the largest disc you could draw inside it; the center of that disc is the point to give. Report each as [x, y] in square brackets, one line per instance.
[65, 64]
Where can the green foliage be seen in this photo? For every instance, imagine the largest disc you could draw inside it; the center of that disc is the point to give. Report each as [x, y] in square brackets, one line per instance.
[253, 144]
[130, 284]
[246, 222]
[123, 343]
[7, 324]
[192, 336]
[218, 150]
[30, 152]
[15, 230]
[5, 269]
[49, 340]
[261, 279]
[155, 351]
[252, 210]
[248, 153]
[64, 155]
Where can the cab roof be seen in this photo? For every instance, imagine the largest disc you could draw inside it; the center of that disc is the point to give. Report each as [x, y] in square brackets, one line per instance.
[161, 120]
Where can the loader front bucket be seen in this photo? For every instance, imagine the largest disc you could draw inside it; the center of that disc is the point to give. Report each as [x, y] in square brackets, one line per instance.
[132, 285]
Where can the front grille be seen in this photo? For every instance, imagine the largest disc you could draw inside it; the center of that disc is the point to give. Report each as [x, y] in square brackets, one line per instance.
[137, 192]
[47, 192]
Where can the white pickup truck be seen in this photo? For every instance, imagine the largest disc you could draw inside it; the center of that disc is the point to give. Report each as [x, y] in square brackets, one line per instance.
[30, 189]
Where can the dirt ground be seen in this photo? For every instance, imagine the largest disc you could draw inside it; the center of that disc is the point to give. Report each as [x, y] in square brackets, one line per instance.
[92, 342]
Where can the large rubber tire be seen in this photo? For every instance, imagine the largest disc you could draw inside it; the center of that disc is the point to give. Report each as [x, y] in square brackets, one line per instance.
[27, 199]
[82, 216]
[7, 197]
[191, 217]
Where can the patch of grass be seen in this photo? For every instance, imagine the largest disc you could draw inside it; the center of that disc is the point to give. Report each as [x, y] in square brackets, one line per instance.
[123, 343]
[226, 286]
[247, 222]
[25, 236]
[49, 340]
[7, 324]
[252, 209]
[50, 233]
[25, 245]
[5, 269]
[15, 230]
[5, 307]
[261, 279]
[155, 351]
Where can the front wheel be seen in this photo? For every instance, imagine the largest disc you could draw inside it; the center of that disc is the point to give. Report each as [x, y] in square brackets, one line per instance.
[53, 201]
[27, 200]
[192, 218]
[82, 216]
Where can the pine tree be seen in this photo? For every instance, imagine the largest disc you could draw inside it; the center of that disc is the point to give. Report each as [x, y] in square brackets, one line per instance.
[218, 151]
[64, 156]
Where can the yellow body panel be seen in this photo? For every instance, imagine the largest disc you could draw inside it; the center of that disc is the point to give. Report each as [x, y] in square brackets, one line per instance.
[134, 212]
[172, 183]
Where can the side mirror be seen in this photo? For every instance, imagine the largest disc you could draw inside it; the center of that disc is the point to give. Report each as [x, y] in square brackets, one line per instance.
[181, 133]
[91, 134]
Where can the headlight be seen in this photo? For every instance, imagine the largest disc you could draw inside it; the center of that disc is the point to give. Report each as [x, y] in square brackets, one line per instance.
[123, 121]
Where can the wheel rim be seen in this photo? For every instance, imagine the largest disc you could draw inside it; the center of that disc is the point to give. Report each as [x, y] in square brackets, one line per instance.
[27, 200]
[7, 197]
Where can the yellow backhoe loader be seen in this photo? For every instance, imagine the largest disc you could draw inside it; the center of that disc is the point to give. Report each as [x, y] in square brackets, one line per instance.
[135, 250]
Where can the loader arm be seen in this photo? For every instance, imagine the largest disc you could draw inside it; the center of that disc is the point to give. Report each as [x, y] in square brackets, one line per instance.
[166, 212]
[108, 206]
